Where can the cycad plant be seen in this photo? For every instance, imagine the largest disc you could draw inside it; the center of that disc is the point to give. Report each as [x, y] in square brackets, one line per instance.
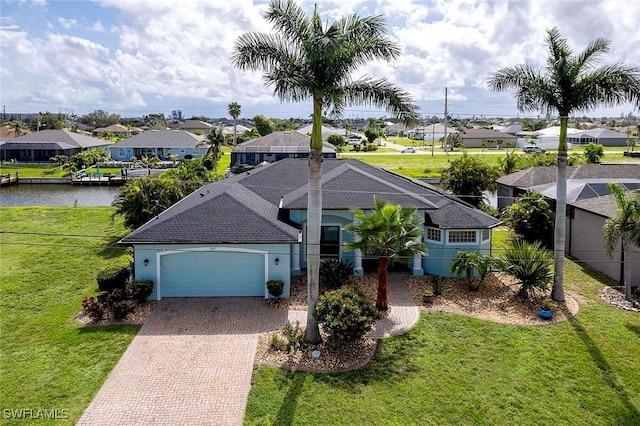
[528, 263]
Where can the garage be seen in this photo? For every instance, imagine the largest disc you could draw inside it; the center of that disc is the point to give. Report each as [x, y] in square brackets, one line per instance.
[212, 273]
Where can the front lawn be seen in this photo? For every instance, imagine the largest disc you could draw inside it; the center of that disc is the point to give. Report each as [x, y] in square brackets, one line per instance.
[452, 370]
[49, 259]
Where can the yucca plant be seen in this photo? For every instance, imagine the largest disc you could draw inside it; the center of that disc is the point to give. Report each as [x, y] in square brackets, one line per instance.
[530, 264]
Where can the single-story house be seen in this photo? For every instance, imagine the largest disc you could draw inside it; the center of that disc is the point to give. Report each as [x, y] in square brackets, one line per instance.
[276, 146]
[160, 144]
[511, 128]
[229, 237]
[41, 146]
[474, 138]
[599, 136]
[326, 131]
[118, 130]
[7, 132]
[240, 129]
[432, 132]
[586, 219]
[515, 184]
[394, 129]
[547, 138]
[191, 125]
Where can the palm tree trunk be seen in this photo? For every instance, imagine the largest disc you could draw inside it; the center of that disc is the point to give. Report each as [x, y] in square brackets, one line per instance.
[235, 132]
[314, 223]
[627, 270]
[557, 292]
[382, 302]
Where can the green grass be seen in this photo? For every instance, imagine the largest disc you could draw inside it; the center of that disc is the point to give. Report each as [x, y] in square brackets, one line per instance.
[454, 370]
[47, 361]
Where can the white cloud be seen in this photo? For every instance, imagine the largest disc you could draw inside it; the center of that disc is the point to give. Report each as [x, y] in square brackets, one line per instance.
[97, 27]
[67, 23]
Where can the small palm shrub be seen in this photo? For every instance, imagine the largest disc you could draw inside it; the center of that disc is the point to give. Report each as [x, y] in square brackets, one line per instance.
[345, 314]
[275, 288]
[113, 277]
[335, 273]
[530, 264]
[466, 263]
[141, 290]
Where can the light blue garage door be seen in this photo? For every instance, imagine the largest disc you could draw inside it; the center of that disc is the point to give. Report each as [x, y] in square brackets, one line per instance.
[212, 273]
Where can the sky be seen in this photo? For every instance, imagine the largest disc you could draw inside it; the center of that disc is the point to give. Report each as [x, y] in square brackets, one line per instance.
[135, 57]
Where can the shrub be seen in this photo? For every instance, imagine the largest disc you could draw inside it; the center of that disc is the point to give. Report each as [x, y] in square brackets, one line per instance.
[93, 308]
[276, 344]
[295, 336]
[141, 290]
[275, 288]
[120, 309]
[529, 264]
[345, 314]
[438, 285]
[335, 273]
[113, 277]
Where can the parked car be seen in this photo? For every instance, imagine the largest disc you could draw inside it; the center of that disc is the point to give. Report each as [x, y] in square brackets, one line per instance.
[408, 151]
[532, 149]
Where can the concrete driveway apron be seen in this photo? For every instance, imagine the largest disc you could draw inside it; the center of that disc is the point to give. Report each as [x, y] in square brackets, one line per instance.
[190, 364]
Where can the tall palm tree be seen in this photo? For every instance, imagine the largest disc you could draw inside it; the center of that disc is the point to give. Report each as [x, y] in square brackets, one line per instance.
[623, 228]
[234, 111]
[306, 60]
[18, 127]
[392, 233]
[215, 139]
[571, 82]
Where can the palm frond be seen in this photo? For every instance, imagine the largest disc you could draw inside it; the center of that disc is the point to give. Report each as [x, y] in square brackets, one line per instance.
[610, 85]
[381, 93]
[289, 19]
[259, 51]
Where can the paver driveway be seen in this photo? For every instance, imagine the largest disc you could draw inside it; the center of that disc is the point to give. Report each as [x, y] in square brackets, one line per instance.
[190, 364]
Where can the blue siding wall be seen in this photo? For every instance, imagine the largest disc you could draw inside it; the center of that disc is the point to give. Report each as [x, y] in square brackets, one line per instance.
[439, 256]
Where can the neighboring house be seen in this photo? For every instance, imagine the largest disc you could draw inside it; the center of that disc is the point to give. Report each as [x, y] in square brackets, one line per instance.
[512, 128]
[395, 128]
[548, 138]
[191, 125]
[276, 146]
[474, 138]
[432, 132]
[583, 180]
[160, 144]
[603, 137]
[41, 146]
[228, 130]
[229, 237]
[117, 130]
[584, 238]
[326, 131]
[6, 132]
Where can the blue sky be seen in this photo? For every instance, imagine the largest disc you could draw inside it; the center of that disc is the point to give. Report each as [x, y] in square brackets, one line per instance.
[134, 57]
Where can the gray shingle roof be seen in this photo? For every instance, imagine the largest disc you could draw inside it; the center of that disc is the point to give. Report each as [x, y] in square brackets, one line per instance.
[281, 142]
[483, 134]
[46, 139]
[545, 174]
[244, 208]
[602, 206]
[162, 139]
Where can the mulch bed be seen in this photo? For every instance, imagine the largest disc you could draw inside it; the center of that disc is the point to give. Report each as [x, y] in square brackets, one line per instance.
[137, 316]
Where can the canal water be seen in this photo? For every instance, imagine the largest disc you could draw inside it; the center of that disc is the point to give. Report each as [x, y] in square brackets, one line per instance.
[54, 195]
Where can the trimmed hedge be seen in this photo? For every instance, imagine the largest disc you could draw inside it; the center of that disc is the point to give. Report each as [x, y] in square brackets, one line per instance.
[141, 290]
[113, 277]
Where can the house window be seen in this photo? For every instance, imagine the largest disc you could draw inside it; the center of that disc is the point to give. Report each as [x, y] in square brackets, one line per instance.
[195, 151]
[182, 150]
[121, 152]
[462, 236]
[486, 235]
[434, 234]
[330, 241]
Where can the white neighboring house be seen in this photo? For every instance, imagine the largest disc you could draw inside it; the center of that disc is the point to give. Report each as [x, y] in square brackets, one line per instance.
[547, 139]
[326, 131]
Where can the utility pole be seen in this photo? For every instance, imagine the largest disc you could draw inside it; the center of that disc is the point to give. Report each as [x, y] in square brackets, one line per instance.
[445, 119]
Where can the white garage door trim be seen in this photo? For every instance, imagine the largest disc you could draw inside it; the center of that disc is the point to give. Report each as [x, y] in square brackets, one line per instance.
[219, 249]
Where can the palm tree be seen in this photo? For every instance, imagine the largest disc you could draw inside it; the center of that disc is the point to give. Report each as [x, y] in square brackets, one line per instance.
[623, 228]
[234, 111]
[18, 127]
[528, 263]
[215, 139]
[571, 83]
[391, 232]
[306, 60]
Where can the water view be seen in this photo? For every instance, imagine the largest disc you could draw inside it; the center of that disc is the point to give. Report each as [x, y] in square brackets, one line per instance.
[57, 195]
